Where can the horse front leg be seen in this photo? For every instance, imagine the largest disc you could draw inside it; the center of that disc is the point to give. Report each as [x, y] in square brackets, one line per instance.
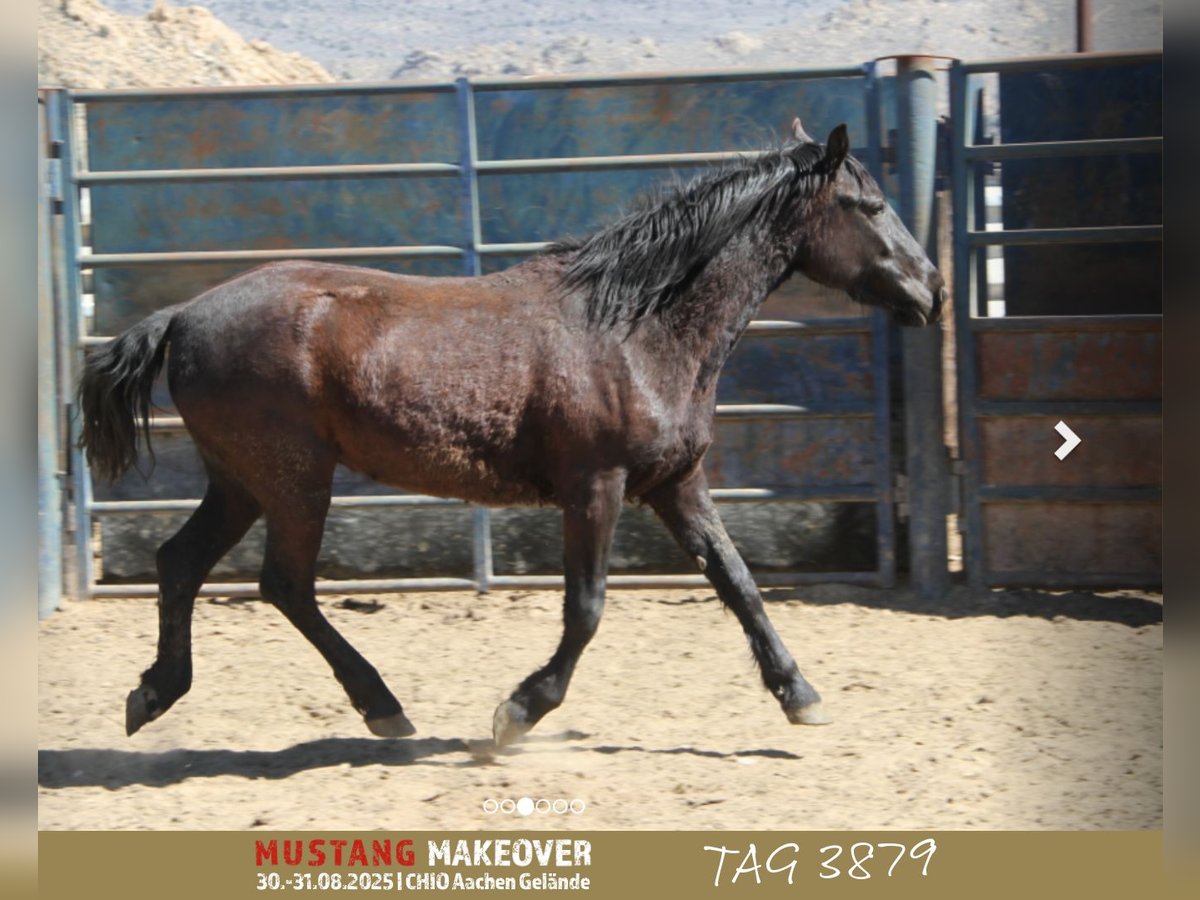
[590, 514]
[687, 510]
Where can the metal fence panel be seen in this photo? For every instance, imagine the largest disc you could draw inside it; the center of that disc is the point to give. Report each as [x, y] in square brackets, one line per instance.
[188, 187]
[1028, 517]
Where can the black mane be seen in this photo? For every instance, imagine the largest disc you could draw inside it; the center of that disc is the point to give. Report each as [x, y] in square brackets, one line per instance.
[642, 263]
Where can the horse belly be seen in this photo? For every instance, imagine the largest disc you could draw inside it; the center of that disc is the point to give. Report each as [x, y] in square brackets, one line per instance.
[429, 456]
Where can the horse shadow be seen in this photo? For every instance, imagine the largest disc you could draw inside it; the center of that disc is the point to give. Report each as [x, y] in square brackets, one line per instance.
[116, 769]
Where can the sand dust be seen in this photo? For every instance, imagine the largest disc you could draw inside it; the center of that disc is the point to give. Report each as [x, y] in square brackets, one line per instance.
[987, 711]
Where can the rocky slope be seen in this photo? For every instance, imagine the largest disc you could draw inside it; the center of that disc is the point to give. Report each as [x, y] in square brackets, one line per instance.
[82, 43]
[145, 42]
[440, 39]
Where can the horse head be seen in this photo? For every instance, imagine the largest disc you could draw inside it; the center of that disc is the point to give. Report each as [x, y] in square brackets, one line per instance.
[853, 240]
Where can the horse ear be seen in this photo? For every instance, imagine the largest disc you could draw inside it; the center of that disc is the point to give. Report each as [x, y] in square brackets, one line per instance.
[799, 133]
[837, 148]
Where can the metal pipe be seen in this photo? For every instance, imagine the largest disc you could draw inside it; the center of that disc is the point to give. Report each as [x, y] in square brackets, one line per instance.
[990, 493]
[1007, 65]
[1107, 323]
[508, 582]
[881, 350]
[1083, 26]
[964, 112]
[50, 520]
[926, 462]
[601, 163]
[481, 516]
[723, 76]
[97, 260]
[265, 92]
[740, 411]
[1054, 149]
[1061, 408]
[1111, 234]
[761, 328]
[72, 303]
[830, 493]
[268, 173]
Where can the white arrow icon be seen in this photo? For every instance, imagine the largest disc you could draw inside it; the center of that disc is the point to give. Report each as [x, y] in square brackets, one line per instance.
[1070, 440]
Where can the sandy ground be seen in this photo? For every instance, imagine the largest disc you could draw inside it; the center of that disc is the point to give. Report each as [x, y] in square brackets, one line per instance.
[1017, 710]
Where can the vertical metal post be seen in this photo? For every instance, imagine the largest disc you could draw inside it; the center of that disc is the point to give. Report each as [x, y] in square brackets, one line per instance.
[977, 261]
[72, 304]
[481, 523]
[50, 522]
[964, 107]
[885, 523]
[1083, 26]
[926, 460]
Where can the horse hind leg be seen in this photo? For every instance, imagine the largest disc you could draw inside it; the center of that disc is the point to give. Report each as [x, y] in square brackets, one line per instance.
[184, 561]
[294, 528]
[588, 525]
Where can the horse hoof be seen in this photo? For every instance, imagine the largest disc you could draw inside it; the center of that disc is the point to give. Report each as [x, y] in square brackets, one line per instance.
[141, 706]
[508, 723]
[813, 714]
[396, 726]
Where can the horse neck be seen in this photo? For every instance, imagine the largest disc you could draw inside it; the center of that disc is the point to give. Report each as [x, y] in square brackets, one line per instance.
[703, 328]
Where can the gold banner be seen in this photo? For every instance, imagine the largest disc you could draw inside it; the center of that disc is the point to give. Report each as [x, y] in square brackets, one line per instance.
[622, 865]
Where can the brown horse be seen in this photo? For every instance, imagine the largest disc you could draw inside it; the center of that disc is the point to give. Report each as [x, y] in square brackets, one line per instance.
[583, 378]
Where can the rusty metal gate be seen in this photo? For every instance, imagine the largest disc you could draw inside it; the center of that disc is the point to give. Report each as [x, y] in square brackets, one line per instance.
[152, 196]
[164, 193]
[1058, 318]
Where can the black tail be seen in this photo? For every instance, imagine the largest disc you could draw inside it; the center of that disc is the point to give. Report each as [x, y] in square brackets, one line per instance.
[114, 393]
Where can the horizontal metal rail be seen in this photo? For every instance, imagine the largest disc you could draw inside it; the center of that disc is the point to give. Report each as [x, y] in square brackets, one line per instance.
[1041, 324]
[1114, 234]
[491, 84]
[259, 92]
[724, 76]
[738, 411]
[508, 582]
[1057, 149]
[1009, 65]
[831, 494]
[540, 165]
[97, 260]
[864, 410]
[599, 163]
[367, 501]
[1008, 493]
[1062, 408]
[764, 328]
[268, 173]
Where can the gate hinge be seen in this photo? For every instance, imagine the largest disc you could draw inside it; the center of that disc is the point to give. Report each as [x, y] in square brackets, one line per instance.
[900, 496]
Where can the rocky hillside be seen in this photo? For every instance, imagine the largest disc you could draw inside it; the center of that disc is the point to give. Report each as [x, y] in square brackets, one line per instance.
[145, 42]
[440, 39]
[82, 43]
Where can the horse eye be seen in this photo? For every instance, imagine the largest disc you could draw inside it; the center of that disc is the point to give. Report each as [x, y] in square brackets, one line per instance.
[874, 209]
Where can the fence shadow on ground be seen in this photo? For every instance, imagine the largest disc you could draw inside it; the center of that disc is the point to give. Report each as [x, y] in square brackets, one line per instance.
[1135, 609]
[115, 769]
